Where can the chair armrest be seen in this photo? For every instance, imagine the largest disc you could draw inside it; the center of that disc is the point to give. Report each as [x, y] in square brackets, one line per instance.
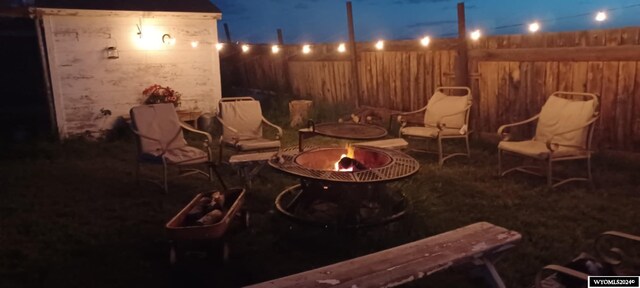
[551, 145]
[619, 254]
[194, 130]
[559, 269]
[503, 127]
[135, 131]
[398, 116]
[409, 113]
[441, 125]
[280, 133]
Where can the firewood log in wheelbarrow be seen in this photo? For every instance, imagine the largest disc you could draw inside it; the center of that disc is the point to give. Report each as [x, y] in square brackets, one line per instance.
[210, 228]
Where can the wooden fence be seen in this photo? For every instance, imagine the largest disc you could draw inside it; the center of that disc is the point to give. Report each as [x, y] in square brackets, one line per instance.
[510, 76]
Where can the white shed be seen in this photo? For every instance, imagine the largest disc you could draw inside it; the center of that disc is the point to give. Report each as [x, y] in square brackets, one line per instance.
[166, 42]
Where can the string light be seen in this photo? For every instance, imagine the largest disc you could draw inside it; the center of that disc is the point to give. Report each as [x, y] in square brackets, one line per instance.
[534, 27]
[219, 46]
[476, 34]
[425, 41]
[306, 49]
[194, 44]
[380, 45]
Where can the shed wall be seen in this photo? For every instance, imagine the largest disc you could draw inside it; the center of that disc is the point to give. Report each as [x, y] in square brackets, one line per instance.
[86, 83]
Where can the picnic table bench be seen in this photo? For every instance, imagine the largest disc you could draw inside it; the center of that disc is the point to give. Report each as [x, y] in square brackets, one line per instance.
[477, 244]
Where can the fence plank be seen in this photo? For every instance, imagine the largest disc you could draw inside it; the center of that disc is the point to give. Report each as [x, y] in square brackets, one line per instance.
[635, 134]
[624, 104]
[594, 85]
[579, 77]
[503, 99]
[609, 95]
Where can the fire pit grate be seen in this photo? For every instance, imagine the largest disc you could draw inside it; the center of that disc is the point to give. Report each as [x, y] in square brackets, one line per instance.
[401, 166]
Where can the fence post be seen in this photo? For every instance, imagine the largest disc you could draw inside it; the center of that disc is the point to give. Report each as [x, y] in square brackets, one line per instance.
[354, 57]
[285, 85]
[462, 67]
[226, 32]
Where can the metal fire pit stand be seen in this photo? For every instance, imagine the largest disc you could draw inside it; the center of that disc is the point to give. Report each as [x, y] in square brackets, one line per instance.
[353, 195]
[351, 131]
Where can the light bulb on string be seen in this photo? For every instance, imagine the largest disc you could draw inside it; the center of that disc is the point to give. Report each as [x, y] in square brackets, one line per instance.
[306, 49]
[476, 34]
[380, 45]
[425, 41]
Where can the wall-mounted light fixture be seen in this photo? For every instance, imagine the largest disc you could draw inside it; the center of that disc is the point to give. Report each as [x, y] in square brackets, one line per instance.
[167, 39]
[112, 52]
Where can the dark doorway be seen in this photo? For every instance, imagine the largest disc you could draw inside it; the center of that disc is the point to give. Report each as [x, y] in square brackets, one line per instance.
[24, 112]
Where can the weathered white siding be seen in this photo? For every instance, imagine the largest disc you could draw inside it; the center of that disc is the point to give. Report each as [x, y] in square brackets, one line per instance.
[85, 82]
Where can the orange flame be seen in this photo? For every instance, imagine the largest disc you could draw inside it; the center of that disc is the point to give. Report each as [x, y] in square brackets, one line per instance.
[350, 154]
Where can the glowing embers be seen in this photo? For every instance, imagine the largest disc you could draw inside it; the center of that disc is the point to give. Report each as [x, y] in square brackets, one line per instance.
[347, 161]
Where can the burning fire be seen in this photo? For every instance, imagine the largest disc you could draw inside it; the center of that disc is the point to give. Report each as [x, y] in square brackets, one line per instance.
[350, 154]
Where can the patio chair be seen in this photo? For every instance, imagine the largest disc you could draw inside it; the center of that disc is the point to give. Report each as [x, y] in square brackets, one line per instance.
[161, 141]
[610, 260]
[564, 132]
[445, 117]
[242, 125]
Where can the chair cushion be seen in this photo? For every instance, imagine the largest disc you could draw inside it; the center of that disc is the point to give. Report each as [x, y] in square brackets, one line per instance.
[428, 132]
[441, 104]
[254, 144]
[559, 115]
[538, 149]
[186, 155]
[242, 115]
[157, 121]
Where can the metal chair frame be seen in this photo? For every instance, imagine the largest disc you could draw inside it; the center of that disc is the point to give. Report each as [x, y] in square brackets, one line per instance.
[613, 256]
[224, 145]
[183, 170]
[586, 152]
[441, 126]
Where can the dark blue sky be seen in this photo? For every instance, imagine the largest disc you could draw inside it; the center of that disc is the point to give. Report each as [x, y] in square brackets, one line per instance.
[256, 21]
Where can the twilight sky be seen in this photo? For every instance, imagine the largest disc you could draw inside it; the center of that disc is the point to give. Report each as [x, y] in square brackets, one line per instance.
[256, 21]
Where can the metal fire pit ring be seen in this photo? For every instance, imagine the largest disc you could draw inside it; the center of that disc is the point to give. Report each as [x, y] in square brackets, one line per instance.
[344, 199]
[401, 166]
[290, 194]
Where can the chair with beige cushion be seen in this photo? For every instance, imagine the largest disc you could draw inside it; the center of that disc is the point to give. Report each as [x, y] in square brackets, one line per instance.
[564, 132]
[242, 126]
[446, 116]
[161, 141]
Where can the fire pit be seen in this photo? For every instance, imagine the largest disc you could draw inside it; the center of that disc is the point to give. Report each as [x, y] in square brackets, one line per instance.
[344, 187]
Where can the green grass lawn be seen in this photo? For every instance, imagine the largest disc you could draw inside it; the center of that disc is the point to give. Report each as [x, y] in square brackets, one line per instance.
[72, 216]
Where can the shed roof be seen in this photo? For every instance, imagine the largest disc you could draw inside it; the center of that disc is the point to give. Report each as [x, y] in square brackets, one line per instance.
[202, 6]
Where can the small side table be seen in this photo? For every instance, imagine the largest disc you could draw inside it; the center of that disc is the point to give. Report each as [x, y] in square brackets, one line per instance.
[189, 115]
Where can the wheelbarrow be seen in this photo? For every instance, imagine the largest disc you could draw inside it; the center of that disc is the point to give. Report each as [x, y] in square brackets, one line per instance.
[200, 239]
